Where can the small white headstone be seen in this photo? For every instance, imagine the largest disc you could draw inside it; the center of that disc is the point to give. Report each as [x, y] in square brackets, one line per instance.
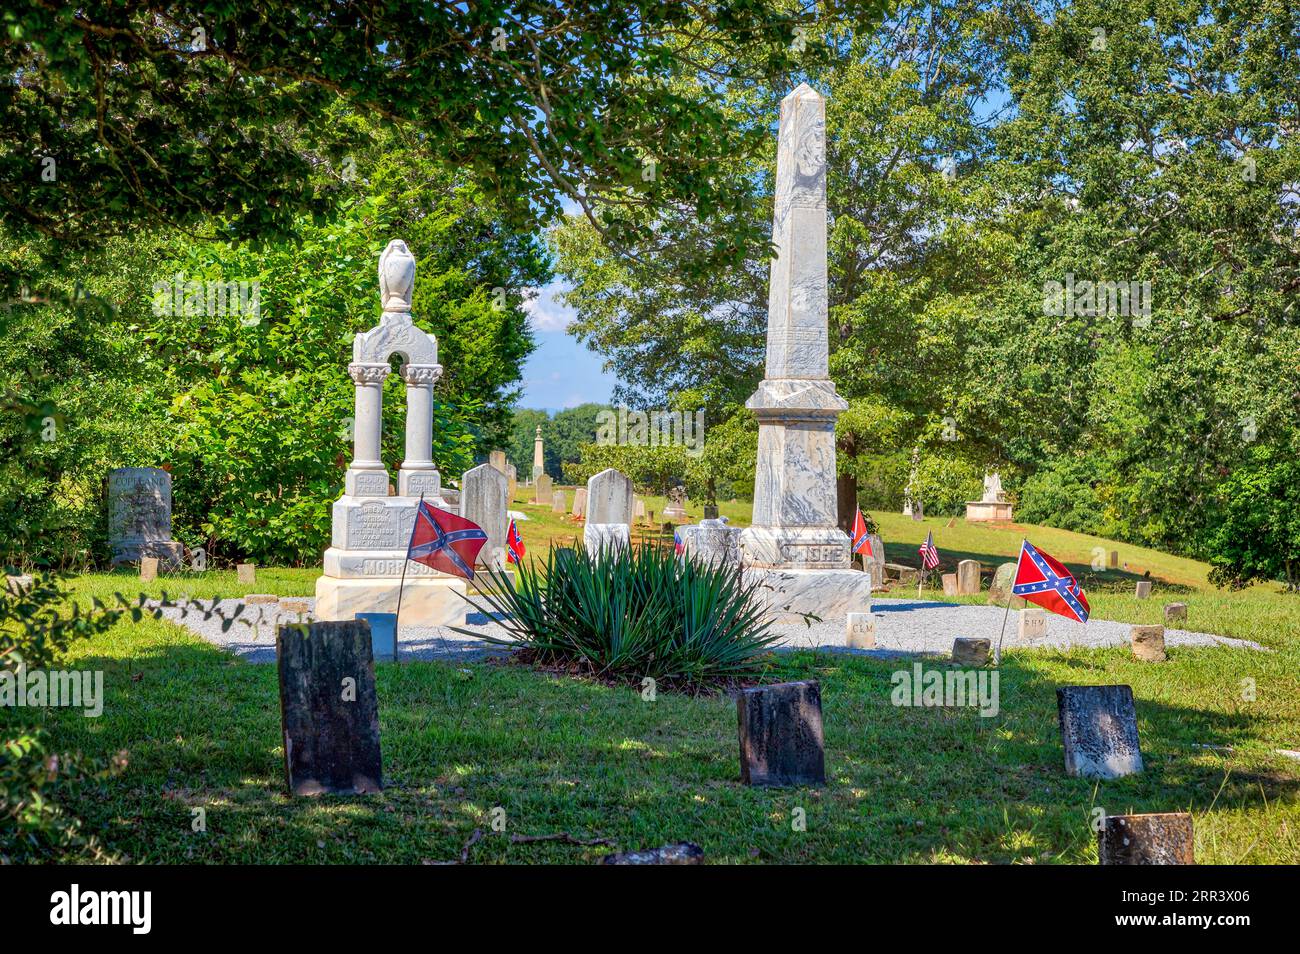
[861, 631]
[1033, 624]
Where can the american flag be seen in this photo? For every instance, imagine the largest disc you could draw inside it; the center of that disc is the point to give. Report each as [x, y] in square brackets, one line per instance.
[929, 555]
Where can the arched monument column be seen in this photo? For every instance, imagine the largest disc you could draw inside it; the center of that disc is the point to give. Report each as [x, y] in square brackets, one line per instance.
[419, 474]
[367, 476]
[367, 554]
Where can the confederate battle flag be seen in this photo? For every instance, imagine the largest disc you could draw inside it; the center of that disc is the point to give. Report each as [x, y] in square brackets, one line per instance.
[444, 541]
[1041, 579]
[861, 542]
[514, 545]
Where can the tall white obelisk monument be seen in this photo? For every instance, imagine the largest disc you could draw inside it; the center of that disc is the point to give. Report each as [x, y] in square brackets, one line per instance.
[795, 543]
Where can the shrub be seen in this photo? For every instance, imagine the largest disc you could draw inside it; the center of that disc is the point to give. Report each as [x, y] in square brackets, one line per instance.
[631, 613]
[34, 634]
[1063, 495]
[1256, 535]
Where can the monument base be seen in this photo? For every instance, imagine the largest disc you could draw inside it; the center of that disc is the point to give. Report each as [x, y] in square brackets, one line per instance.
[828, 594]
[805, 548]
[426, 601]
[987, 511]
[170, 553]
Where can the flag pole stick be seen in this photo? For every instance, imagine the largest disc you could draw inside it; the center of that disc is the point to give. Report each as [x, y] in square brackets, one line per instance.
[397, 617]
[997, 653]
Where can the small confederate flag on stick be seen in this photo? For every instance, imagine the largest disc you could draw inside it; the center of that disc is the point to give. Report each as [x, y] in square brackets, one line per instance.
[1041, 579]
[861, 542]
[444, 541]
[514, 545]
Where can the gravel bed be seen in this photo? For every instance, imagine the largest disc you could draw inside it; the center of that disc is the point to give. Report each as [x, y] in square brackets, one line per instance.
[903, 627]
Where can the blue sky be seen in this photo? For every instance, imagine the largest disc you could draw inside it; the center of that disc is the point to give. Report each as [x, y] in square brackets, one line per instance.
[560, 373]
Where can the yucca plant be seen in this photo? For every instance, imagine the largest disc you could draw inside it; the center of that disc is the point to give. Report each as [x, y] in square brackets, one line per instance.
[628, 613]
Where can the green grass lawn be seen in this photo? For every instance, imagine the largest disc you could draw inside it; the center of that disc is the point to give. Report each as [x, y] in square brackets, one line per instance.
[558, 755]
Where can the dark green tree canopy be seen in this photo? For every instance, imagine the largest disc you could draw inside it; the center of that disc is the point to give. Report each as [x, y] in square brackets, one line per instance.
[124, 112]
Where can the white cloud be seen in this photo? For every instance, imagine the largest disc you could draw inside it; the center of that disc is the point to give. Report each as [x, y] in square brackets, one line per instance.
[544, 312]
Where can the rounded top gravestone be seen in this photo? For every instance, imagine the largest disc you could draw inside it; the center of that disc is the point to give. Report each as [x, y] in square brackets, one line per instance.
[1000, 589]
[140, 515]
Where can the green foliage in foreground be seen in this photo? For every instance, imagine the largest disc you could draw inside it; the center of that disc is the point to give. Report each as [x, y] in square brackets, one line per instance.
[35, 632]
[631, 613]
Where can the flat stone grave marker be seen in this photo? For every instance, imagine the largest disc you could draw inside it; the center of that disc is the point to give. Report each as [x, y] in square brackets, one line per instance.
[903, 574]
[1143, 589]
[1175, 612]
[781, 740]
[328, 708]
[970, 651]
[383, 634]
[682, 853]
[1158, 839]
[1033, 624]
[246, 573]
[1148, 643]
[861, 631]
[968, 577]
[294, 606]
[256, 599]
[148, 569]
[1099, 731]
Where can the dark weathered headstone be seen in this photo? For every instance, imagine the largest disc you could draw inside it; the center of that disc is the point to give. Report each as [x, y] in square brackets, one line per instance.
[1148, 643]
[781, 734]
[1143, 590]
[903, 574]
[970, 651]
[710, 512]
[682, 853]
[1159, 839]
[1175, 613]
[1099, 731]
[328, 708]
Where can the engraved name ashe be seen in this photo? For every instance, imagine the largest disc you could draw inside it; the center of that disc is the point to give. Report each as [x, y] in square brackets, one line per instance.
[811, 553]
